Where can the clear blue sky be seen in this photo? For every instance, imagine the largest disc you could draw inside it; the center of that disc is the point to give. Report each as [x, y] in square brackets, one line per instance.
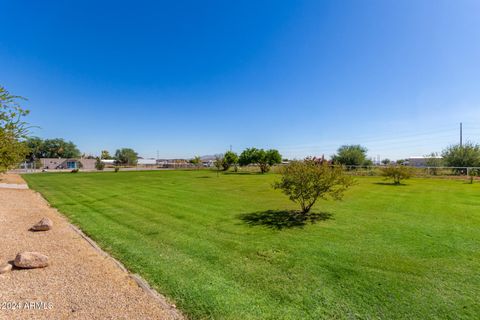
[194, 77]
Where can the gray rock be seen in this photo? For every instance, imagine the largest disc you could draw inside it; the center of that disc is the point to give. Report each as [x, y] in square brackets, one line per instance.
[43, 225]
[30, 260]
[4, 268]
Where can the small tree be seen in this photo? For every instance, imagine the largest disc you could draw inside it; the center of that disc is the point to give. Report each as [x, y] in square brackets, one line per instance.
[304, 182]
[126, 156]
[105, 155]
[12, 130]
[218, 163]
[196, 161]
[59, 148]
[466, 155]
[386, 161]
[433, 162]
[397, 173]
[271, 157]
[472, 173]
[264, 159]
[99, 165]
[351, 155]
[230, 158]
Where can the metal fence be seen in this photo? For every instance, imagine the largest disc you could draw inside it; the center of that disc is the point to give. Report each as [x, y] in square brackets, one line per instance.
[418, 171]
[375, 170]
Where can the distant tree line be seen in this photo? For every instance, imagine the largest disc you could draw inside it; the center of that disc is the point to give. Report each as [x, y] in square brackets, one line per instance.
[51, 148]
[264, 159]
[465, 155]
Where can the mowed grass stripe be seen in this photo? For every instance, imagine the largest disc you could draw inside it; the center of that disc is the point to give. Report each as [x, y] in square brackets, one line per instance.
[388, 252]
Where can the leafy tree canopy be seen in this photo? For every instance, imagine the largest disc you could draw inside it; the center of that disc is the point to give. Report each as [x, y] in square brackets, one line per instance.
[351, 155]
[126, 156]
[264, 159]
[51, 148]
[304, 182]
[196, 161]
[397, 173]
[466, 155]
[230, 158]
[105, 155]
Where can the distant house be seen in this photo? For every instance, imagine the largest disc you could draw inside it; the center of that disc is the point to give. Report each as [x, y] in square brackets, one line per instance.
[63, 163]
[108, 162]
[173, 163]
[419, 162]
[147, 162]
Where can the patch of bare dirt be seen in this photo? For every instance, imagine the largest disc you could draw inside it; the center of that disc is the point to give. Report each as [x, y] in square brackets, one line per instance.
[79, 282]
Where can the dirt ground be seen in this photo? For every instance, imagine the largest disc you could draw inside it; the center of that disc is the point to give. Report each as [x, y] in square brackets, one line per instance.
[79, 283]
[11, 178]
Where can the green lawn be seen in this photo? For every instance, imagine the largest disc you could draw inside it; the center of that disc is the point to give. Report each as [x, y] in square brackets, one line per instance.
[225, 247]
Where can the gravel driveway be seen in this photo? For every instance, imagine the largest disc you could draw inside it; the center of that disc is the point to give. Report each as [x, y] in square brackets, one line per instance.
[79, 283]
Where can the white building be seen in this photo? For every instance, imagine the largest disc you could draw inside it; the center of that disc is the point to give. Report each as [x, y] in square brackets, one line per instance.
[420, 161]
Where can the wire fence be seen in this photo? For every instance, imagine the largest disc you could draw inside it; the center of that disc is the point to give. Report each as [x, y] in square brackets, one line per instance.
[374, 170]
[418, 171]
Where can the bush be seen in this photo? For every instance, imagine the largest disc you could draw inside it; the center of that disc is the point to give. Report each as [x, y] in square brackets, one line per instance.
[99, 165]
[466, 155]
[397, 173]
[472, 173]
[230, 158]
[306, 181]
[74, 171]
[117, 168]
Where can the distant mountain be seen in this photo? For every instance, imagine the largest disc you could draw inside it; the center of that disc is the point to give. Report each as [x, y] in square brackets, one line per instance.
[207, 158]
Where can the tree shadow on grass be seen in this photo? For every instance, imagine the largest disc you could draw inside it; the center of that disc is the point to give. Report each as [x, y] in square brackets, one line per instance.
[241, 173]
[390, 184]
[283, 219]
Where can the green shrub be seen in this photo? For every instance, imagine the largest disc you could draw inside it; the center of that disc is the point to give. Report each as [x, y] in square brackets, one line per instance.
[99, 165]
[397, 173]
[306, 181]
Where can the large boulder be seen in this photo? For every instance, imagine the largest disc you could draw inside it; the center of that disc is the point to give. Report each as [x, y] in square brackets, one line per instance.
[30, 260]
[43, 225]
[4, 268]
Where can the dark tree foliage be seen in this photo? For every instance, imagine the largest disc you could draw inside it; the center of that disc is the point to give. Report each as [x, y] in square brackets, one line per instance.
[126, 157]
[51, 148]
[351, 155]
[264, 159]
[230, 158]
[466, 155]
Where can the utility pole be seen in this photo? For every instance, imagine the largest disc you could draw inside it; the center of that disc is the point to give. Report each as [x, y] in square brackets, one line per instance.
[461, 135]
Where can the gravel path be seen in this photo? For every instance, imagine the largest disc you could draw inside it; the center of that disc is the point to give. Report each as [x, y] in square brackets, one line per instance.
[79, 283]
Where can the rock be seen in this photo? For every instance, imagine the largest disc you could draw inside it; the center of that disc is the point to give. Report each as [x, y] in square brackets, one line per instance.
[43, 225]
[30, 260]
[4, 268]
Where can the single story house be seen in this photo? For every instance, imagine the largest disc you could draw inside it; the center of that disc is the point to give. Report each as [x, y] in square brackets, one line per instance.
[147, 162]
[63, 163]
[108, 162]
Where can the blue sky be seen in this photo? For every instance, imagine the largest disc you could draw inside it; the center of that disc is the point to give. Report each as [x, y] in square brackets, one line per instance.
[194, 77]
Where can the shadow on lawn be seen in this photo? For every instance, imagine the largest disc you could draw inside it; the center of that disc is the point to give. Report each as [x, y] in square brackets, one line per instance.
[241, 173]
[281, 219]
[390, 184]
